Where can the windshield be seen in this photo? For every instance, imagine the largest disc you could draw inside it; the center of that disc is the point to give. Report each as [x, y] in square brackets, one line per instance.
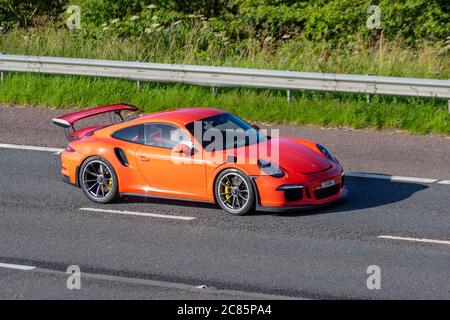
[224, 131]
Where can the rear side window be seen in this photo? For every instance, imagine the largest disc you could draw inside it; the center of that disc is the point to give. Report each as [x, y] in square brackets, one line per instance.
[164, 135]
[131, 134]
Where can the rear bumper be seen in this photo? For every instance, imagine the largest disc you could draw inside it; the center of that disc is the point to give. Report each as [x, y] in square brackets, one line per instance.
[66, 179]
[70, 166]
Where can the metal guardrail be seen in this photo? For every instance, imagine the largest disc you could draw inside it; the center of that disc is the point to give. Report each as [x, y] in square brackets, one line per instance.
[228, 77]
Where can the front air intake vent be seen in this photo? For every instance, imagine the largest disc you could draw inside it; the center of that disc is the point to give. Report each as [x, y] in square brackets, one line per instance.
[327, 192]
[292, 192]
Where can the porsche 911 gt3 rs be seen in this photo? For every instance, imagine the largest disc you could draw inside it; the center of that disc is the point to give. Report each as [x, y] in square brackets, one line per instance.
[197, 154]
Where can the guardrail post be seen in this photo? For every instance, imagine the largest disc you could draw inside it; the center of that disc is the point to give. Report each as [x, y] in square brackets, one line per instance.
[288, 93]
[448, 106]
[368, 95]
[1, 72]
[214, 91]
[138, 83]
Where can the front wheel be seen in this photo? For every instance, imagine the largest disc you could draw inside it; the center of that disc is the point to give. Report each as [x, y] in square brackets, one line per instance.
[98, 180]
[234, 192]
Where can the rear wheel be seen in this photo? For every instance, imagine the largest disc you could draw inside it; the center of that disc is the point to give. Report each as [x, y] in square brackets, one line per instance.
[234, 192]
[98, 180]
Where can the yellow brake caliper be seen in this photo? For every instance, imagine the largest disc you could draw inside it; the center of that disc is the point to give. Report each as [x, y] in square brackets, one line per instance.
[109, 184]
[227, 191]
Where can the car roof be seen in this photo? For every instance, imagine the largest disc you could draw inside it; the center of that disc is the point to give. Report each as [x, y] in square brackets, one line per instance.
[182, 115]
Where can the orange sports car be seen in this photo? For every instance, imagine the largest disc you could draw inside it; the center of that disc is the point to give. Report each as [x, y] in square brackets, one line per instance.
[198, 154]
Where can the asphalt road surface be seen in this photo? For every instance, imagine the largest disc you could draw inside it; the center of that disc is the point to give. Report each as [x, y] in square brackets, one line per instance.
[129, 252]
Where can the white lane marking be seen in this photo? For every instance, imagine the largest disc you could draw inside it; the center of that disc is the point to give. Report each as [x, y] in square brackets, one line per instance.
[143, 214]
[415, 239]
[444, 182]
[390, 178]
[32, 148]
[16, 266]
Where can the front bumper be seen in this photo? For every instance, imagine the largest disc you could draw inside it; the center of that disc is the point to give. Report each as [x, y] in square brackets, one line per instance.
[297, 191]
[304, 207]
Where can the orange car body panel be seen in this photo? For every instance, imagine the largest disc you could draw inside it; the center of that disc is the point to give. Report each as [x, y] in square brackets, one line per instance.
[155, 171]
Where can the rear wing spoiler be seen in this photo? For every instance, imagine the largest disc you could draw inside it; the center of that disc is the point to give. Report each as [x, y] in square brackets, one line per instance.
[67, 121]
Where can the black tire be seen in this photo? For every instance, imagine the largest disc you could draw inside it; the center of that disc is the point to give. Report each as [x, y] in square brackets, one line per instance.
[105, 186]
[230, 195]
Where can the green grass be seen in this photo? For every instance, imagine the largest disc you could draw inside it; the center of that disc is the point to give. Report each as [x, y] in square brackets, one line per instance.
[424, 116]
[197, 45]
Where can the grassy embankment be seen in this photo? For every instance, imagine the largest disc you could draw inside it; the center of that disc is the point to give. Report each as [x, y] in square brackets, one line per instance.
[324, 109]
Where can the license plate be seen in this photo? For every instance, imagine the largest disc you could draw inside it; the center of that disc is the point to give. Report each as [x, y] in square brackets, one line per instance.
[328, 184]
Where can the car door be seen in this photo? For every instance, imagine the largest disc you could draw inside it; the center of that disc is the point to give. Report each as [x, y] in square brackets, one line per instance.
[127, 141]
[168, 173]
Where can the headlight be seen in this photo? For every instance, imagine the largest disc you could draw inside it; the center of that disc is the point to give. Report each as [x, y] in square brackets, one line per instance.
[270, 168]
[326, 153]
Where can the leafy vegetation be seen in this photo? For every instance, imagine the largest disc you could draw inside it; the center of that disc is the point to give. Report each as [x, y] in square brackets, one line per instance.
[317, 36]
[332, 20]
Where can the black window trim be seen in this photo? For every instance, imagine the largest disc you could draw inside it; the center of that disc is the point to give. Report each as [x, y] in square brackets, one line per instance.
[151, 123]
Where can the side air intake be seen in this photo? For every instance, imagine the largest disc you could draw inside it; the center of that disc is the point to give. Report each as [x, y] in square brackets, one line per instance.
[120, 154]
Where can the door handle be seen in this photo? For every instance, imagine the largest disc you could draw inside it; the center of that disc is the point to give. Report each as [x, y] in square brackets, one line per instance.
[143, 158]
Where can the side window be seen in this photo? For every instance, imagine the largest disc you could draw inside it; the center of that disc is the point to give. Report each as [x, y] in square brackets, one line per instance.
[131, 134]
[164, 135]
